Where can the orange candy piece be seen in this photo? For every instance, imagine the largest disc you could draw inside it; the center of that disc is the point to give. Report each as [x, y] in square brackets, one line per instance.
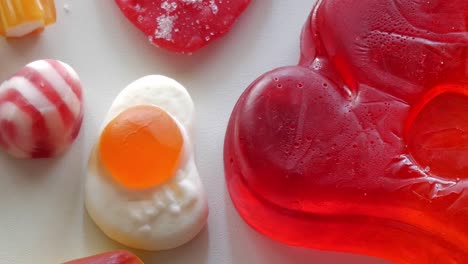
[114, 257]
[141, 147]
[23, 17]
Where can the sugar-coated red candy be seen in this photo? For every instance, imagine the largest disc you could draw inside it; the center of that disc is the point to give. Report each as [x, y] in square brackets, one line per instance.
[362, 147]
[182, 26]
[41, 109]
[114, 257]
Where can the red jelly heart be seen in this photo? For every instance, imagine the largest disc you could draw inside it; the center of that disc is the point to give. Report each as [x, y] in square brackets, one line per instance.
[362, 147]
[182, 26]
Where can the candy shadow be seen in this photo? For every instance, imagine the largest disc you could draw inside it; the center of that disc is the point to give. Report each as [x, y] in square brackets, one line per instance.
[20, 48]
[139, 53]
[31, 171]
[95, 241]
[44, 195]
[25, 171]
[71, 195]
[195, 251]
[249, 246]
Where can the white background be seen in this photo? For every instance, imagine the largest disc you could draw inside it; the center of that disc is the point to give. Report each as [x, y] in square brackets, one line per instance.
[42, 217]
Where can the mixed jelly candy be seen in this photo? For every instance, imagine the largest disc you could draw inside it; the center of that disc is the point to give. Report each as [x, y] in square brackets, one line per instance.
[41, 109]
[362, 147]
[182, 26]
[22, 17]
[114, 257]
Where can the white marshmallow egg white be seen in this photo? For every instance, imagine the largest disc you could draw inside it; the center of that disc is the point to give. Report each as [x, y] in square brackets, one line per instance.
[162, 217]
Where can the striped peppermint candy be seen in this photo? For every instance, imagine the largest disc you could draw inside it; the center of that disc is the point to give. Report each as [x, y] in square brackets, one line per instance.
[41, 109]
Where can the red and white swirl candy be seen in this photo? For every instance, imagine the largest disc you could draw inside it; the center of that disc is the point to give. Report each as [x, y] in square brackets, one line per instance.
[41, 109]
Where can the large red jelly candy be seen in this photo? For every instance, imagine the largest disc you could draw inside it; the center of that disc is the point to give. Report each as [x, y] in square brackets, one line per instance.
[362, 147]
[182, 26]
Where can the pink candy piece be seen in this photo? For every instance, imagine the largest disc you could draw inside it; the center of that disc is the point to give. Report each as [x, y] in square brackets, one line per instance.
[41, 109]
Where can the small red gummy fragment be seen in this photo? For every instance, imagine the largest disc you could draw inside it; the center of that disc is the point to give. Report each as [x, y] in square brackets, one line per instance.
[114, 257]
[182, 26]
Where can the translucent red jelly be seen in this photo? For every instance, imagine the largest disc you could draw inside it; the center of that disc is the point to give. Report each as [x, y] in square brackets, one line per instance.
[182, 26]
[114, 257]
[362, 147]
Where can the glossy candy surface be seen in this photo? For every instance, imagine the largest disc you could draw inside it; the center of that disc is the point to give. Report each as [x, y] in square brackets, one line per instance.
[363, 146]
[41, 109]
[182, 26]
[142, 187]
[22, 17]
[131, 142]
[114, 257]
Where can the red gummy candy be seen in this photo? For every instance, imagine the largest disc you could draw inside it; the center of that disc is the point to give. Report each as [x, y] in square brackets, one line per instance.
[362, 147]
[114, 257]
[182, 26]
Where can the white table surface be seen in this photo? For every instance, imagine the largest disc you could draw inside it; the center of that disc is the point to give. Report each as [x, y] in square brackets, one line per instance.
[42, 217]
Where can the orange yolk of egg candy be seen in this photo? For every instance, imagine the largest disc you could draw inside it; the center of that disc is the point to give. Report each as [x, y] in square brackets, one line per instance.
[23, 17]
[141, 147]
[114, 257]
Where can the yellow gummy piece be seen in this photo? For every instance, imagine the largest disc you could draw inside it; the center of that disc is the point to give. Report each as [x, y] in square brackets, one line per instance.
[14, 13]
